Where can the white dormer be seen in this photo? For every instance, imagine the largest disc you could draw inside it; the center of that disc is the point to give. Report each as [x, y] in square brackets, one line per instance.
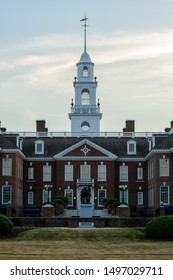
[131, 147]
[39, 147]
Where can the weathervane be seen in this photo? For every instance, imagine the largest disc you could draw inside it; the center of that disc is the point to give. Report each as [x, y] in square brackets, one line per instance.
[85, 26]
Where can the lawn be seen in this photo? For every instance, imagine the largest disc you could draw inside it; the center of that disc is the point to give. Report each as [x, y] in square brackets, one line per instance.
[81, 244]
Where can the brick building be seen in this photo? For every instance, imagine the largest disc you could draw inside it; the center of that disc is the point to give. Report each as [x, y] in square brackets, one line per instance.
[136, 168]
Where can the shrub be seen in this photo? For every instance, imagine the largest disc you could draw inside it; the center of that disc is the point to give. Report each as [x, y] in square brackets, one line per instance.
[6, 226]
[110, 200]
[160, 227]
[58, 201]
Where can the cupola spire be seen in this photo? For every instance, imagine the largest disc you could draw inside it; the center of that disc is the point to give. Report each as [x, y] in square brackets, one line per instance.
[85, 27]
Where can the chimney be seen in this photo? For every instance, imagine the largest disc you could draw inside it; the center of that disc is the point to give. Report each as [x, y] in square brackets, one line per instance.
[130, 126]
[171, 124]
[2, 129]
[40, 126]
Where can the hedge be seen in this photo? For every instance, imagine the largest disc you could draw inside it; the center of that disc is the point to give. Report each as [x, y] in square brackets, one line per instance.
[160, 227]
[6, 226]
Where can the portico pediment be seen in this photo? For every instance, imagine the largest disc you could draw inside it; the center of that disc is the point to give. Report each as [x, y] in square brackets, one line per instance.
[85, 149]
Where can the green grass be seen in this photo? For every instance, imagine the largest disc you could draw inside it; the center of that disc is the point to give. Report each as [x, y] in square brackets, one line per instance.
[81, 244]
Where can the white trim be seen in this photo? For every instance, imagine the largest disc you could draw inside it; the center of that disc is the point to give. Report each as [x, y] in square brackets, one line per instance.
[62, 154]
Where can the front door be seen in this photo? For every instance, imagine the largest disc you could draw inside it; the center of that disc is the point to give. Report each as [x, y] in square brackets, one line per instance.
[79, 190]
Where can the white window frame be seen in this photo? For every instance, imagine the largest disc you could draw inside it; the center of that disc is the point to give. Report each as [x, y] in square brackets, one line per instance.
[101, 198]
[47, 173]
[140, 198]
[130, 144]
[6, 188]
[140, 173]
[30, 173]
[126, 196]
[70, 199]
[85, 170]
[123, 173]
[45, 195]
[39, 147]
[164, 167]
[162, 199]
[7, 166]
[102, 173]
[30, 198]
[68, 173]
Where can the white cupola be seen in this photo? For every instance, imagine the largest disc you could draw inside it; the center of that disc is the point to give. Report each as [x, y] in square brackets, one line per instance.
[85, 113]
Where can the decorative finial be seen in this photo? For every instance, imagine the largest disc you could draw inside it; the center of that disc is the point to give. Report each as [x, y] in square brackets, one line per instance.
[85, 26]
[98, 104]
[72, 104]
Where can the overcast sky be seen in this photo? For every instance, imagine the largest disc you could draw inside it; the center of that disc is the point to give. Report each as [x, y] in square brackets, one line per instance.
[130, 42]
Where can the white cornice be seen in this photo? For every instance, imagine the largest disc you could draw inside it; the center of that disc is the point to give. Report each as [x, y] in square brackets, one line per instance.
[130, 159]
[162, 151]
[86, 158]
[40, 159]
[13, 151]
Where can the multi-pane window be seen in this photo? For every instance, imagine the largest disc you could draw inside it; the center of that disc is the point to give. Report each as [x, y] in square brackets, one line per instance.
[140, 198]
[139, 173]
[6, 194]
[30, 198]
[102, 172]
[47, 173]
[69, 195]
[20, 170]
[131, 147]
[101, 196]
[124, 196]
[85, 172]
[123, 173]
[164, 194]
[7, 166]
[68, 172]
[39, 147]
[45, 195]
[164, 167]
[30, 173]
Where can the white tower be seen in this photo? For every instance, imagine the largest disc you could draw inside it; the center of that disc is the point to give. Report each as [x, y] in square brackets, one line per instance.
[85, 114]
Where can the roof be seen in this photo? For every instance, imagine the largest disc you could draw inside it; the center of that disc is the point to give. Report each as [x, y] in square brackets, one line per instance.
[7, 142]
[53, 146]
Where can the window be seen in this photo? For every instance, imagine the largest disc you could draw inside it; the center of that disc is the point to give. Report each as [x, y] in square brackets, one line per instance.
[124, 196]
[68, 172]
[102, 172]
[7, 166]
[47, 173]
[30, 198]
[69, 195]
[45, 195]
[39, 147]
[85, 172]
[164, 167]
[140, 198]
[101, 197]
[131, 147]
[6, 194]
[85, 71]
[20, 170]
[30, 173]
[164, 194]
[139, 173]
[85, 97]
[123, 173]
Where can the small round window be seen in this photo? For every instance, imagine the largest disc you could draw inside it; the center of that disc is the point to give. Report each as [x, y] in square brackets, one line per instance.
[85, 126]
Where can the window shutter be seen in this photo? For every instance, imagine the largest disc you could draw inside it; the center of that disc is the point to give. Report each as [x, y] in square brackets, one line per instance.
[164, 167]
[101, 172]
[47, 173]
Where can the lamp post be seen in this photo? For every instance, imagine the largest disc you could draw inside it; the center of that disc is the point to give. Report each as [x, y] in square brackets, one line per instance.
[48, 188]
[123, 188]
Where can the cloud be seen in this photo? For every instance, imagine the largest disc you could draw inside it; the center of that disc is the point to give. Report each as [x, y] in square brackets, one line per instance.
[137, 66]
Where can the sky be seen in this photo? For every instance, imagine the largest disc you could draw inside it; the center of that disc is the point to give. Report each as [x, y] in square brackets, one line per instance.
[130, 42]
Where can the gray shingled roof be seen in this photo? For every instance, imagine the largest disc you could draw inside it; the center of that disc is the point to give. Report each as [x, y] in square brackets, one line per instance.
[117, 146]
[7, 142]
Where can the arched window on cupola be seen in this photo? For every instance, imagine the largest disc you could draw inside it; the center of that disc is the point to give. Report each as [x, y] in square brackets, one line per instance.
[85, 71]
[85, 97]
